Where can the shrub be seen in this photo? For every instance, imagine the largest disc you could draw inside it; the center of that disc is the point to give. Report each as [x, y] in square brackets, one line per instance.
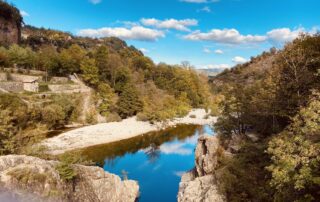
[193, 116]
[113, 117]
[53, 115]
[65, 169]
[43, 87]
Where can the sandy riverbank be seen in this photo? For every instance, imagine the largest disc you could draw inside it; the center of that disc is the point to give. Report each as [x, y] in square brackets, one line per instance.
[115, 131]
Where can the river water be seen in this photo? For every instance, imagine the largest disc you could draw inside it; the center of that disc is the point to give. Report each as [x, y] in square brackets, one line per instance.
[156, 160]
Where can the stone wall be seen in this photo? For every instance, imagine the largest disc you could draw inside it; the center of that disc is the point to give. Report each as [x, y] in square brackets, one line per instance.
[11, 86]
[31, 87]
[9, 31]
[25, 71]
[25, 78]
[59, 80]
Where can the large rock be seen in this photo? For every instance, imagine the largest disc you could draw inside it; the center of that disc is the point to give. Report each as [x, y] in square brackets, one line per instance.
[27, 177]
[200, 184]
[206, 155]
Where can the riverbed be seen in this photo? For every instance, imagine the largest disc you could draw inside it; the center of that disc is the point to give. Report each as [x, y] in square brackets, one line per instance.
[156, 160]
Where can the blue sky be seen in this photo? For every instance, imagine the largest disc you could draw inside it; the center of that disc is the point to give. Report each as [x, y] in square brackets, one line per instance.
[207, 33]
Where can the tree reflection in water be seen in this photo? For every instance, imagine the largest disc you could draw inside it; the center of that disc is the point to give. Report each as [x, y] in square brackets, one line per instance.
[152, 152]
[148, 143]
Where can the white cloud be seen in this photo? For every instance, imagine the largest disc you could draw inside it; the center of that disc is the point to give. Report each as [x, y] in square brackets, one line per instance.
[233, 36]
[226, 36]
[175, 148]
[239, 60]
[283, 35]
[179, 173]
[24, 13]
[95, 1]
[206, 9]
[144, 50]
[200, 1]
[181, 25]
[134, 33]
[218, 51]
[217, 66]
[206, 50]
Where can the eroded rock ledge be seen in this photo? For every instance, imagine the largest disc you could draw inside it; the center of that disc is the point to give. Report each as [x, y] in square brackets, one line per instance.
[200, 184]
[27, 177]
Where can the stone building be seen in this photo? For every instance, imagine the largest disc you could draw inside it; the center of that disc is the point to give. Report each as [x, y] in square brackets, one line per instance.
[19, 83]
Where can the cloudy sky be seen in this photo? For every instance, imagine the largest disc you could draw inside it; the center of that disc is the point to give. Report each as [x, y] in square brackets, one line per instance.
[207, 33]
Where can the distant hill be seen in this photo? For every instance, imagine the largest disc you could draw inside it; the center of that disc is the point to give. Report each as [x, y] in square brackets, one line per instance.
[210, 72]
[248, 72]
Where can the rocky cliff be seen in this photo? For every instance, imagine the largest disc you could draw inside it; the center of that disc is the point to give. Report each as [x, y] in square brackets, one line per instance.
[10, 24]
[24, 178]
[201, 184]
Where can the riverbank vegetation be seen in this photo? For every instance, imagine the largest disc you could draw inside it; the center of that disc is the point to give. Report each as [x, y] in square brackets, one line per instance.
[275, 97]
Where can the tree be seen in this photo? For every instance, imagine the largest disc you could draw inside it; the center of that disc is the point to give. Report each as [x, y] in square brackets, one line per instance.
[298, 64]
[108, 98]
[90, 72]
[234, 116]
[114, 67]
[71, 59]
[101, 57]
[22, 57]
[129, 103]
[295, 155]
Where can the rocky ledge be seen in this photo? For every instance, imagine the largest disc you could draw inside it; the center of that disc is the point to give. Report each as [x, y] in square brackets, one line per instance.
[24, 178]
[200, 184]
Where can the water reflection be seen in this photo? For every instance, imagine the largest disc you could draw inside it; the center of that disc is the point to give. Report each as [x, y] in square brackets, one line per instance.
[109, 153]
[156, 160]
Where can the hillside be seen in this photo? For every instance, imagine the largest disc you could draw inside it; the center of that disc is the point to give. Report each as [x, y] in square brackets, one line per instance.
[270, 122]
[249, 72]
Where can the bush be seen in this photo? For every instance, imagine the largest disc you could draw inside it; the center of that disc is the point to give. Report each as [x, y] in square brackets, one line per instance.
[142, 117]
[65, 168]
[91, 117]
[193, 116]
[53, 115]
[113, 117]
[43, 87]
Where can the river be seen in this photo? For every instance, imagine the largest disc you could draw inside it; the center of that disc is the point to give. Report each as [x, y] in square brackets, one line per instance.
[156, 160]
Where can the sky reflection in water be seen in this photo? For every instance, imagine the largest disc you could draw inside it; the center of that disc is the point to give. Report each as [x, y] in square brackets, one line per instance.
[156, 160]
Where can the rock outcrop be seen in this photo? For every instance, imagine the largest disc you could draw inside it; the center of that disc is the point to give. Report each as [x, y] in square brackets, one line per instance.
[24, 177]
[200, 184]
[10, 24]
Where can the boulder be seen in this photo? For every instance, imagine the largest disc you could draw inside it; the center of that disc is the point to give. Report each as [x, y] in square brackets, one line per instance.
[24, 177]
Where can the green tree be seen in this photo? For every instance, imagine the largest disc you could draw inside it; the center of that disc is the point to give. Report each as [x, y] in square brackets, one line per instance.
[101, 58]
[295, 155]
[129, 103]
[108, 98]
[90, 72]
[71, 59]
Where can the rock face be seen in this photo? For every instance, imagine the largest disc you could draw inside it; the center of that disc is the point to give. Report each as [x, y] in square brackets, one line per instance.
[9, 31]
[23, 178]
[200, 184]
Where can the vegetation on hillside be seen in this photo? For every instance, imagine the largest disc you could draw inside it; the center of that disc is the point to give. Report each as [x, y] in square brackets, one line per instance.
[125, 83]
[280, 103]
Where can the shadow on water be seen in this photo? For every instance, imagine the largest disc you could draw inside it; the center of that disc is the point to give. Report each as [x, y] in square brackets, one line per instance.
[150, 143]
